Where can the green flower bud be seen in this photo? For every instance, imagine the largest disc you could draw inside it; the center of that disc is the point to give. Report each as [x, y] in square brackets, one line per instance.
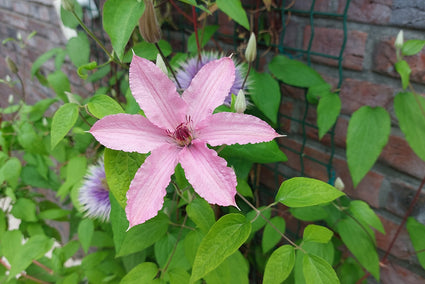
[240, 103]
[68, 5]
[161, 64]
[399, 41]
[11, 65]
[339, 184]
[251, 49]
[10, 100]
[148, 24]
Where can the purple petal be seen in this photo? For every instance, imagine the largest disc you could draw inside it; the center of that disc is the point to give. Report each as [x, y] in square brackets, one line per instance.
[209, 88]
[128, 132]
[209, 174]
[230, 128]
[147, 190]
[156, 94]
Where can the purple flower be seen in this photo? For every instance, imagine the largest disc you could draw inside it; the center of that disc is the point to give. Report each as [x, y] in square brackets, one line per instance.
[190, 68]
[94, 193]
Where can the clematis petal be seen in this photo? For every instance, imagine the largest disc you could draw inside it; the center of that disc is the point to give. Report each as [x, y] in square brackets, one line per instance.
[147, 190]
[209, 88]
[208, 174]
[128, 132]
[156, 94]
[230, 128]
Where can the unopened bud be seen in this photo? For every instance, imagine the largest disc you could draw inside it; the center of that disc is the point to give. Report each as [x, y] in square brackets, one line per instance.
[68, 5]
[161, 64]
[399, 41]
[44, 122]
[10, 100]
[148, 24]
[240, 103]
[268, 4]
[18, 36]
[8, 79]
[71, 98]
[11, 65]
[251, 49]
[339, 184]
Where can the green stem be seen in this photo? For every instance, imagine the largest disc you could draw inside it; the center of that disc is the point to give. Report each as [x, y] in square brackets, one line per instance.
[168, 64]
[246, 76]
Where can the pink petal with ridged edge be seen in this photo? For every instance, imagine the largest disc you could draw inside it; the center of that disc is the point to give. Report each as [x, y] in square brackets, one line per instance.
[147, 190]
[230, 128]
[156, 94]
[209, 88]
[208, 174]
[129, 132]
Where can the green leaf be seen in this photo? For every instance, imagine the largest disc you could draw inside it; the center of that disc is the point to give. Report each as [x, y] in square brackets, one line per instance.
[318, 234]
[144, 235]
[265, 94]
[270, 236]
[148, 50]
[361, 211]
[417, 232]
[120, 168]
[59, 82]
[259, 221]
[68, 19]
[404, 70]
[301, 192]
[204, 36]
[317, 271]
[10, 172]
[310, 213]
[85, 233]
[143, 273]
[82, 70]
[201, 213]
[279, 265]
[63, 120]
[75, 171]
[243, 188]
[103, 105]
[409, 109]
[78, 49]
[295, 73]
[412, 47]
[233, 269]
[266, 152]
[24, 209]
[327, 112]
[360, 243]
[119, 222]
[54, 214]
[170, 253]
[223, 239]
[234, 9]
[367, 134]
[120, 17]
[37, 111]
[43, 58]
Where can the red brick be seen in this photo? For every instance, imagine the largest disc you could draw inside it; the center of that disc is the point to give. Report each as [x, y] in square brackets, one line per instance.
[319, 5]
[392, 273]
[368, 11]
[400, 197]
[398, 154]
[329, 41]
[384, 58]
[286, 108]
[355, 94]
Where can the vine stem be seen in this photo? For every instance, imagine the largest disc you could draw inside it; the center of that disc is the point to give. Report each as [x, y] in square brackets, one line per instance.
[181, 11]
[167, 63]
[195, 26]
[270, 223]
[247, 73]
[23, 274]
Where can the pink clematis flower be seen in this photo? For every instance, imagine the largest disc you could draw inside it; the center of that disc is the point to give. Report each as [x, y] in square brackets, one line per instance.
[177, 129]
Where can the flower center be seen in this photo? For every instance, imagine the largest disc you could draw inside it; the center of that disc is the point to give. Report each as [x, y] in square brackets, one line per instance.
[183, 135]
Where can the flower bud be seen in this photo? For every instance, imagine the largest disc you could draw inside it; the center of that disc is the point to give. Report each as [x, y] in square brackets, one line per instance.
[10, 100]
[45, 122]
[240, 103]
[11, 65]
[268, 4]
[161, 64]
[8, 79]
[68, 5]
[148, 24]
[339, 184]
[399, 41]
[71, 98]
[251, 49]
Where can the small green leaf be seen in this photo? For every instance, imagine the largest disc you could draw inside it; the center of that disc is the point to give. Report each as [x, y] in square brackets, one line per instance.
[78, 49]
[265, 94]
[119, 19]
[143, 273]
[295, 73]
[244, 188]
[68, 19]
[119, 222]
[144, 235]
[365, 214]
[412, 47]
[233, 269]
[85, 233]
[404, 70]
[75, 171]
[63, 120]
[44, 58]
[266, 152]
[310, 213]
[54, 214]
[59, 82]
[279, 265]
[201, 213]
[259, 221]
[301, 192]
[10, 172]
[148, 50]
[317, 271]
[327, 112]
[409, 110]
[204, 36]
[223, 239]
[24, 209]
[82, 69]
[367, 134]
[318, 234]
[234, 9]
[103, 105]
[270, 236]
[417, 232]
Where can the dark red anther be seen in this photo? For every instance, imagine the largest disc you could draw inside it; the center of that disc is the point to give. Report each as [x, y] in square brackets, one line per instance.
[183, 135]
